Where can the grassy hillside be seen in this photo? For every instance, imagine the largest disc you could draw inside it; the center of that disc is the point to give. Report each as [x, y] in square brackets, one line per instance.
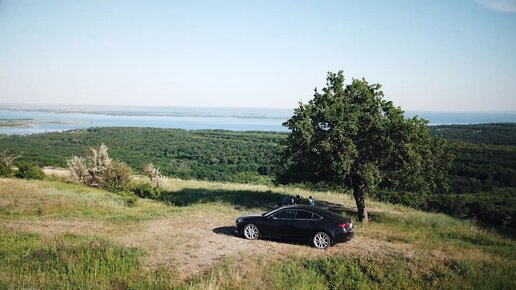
[55, 234]
[482, 179]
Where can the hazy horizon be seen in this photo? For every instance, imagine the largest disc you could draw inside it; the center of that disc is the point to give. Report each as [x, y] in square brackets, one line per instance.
[436, 56]
[87, 106]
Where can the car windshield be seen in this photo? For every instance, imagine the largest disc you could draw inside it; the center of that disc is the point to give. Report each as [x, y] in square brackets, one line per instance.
[271, 212]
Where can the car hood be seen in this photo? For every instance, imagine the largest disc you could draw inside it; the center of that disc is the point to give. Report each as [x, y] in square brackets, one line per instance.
[250, 216]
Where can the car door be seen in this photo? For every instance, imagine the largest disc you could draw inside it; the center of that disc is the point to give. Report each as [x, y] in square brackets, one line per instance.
[302, 226]
[278, 224]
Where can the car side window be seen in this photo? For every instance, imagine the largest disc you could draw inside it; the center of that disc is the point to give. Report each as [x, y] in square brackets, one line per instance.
[285, 214]
[316, 217]
[302, 214]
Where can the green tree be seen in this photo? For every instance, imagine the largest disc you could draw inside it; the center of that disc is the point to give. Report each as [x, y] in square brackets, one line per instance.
[349, 135]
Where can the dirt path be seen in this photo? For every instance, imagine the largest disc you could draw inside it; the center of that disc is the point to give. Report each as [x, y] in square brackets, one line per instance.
[193, 245]
[190, 244]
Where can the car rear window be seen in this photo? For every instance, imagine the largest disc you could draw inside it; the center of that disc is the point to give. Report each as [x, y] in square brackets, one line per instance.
[331, 214]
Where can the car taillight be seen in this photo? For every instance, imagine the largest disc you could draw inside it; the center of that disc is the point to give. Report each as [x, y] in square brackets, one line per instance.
[345, 225]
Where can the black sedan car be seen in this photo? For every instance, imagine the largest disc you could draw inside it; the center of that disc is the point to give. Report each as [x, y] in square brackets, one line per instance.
[323, 228]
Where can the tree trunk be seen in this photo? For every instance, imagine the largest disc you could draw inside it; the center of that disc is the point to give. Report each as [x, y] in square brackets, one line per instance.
[359, 194]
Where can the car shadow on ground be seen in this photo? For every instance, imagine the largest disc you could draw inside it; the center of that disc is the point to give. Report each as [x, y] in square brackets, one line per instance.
[228, 231]
[231, 231]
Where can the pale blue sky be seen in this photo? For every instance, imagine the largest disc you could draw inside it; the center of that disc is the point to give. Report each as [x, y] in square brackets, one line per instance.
[449, 55]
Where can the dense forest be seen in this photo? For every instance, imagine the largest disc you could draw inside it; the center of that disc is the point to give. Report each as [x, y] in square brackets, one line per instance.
[498, 134]
[482, 179]
[208, 155]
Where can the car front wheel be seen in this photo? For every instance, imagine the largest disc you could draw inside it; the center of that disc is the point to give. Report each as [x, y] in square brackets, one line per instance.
[251, 232]
[321, 240]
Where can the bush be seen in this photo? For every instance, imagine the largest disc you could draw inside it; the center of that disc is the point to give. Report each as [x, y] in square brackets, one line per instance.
[6, 162]
[116, 177]
[27, 170]
[129, 198]
[90, 169]
[145, 190]
[157, 180]
[5, 171]
[97, 169]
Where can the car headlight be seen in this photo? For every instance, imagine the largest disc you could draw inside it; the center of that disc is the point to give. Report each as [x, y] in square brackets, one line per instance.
[239, 220]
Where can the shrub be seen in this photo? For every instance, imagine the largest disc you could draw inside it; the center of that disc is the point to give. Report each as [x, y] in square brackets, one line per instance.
[90, 168]
[27, 170]
[97, 169]
[6, 163]
[5, 171]
[156, 179]
[116, 177]
[78, 170]
[145, 190]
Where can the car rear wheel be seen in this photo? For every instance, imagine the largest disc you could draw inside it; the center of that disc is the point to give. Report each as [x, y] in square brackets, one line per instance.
[321, 240]
[251, 232]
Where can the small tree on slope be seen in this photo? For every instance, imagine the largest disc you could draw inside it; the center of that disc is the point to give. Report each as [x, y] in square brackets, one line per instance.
[90, 168]
[157, 180]
[6, 163]
[349, 135]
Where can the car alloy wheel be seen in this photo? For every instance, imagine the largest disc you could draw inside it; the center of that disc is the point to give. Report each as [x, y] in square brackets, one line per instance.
[251, 232]
[321, 240]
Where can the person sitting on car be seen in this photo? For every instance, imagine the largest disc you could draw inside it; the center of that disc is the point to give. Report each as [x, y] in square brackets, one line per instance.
[286, 200]
[311, 201]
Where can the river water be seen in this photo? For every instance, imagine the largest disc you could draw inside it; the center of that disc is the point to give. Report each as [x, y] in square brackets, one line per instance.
[51, 119]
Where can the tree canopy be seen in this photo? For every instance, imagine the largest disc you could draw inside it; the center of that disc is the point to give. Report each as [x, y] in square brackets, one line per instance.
[350, 135]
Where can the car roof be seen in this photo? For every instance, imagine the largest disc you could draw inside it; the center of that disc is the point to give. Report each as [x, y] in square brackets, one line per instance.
[321, 211]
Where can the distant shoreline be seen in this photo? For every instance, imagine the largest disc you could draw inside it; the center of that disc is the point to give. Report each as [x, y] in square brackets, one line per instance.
[23, 120]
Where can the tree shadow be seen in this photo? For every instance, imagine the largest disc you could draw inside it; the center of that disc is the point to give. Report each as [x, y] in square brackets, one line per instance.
[240, 199]
[338, 208]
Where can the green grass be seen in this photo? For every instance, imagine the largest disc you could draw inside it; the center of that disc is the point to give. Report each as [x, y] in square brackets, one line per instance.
[400, 248]
[57, 200]
[446, 256]
[28, 260]
[389, 273]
